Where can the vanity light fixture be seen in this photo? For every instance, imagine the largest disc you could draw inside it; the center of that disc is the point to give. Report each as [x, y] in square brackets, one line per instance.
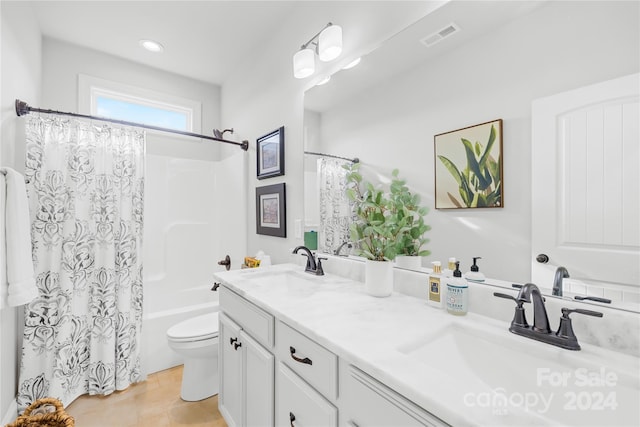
[304, 63]
[152, 46]
[327, 44]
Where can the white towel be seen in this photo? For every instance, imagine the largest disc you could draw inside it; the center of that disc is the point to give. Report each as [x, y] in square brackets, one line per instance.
[20, 275]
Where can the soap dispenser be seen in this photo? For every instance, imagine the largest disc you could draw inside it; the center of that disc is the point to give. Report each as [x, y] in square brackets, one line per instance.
[451, 265]
[457, 293]
[474, 275]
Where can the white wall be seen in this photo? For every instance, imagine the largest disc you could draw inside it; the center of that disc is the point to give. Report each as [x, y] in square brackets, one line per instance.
[560, 46]
[63, 62]
[262, 94]
[20, 78]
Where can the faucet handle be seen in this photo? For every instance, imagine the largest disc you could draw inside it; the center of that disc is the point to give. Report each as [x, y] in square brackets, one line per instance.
[518, 318]
[566, 312]
[565, 329]
[319, 270]
[507, 296]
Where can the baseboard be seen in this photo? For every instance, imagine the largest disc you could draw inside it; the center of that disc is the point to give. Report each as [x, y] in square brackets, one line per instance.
[11, 414]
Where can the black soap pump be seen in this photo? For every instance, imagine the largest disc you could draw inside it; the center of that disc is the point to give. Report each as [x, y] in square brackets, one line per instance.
[474, 275]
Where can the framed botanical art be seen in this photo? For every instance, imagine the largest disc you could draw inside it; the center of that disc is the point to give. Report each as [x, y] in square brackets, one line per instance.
[270, 154]
[271, 210]
[468, 167]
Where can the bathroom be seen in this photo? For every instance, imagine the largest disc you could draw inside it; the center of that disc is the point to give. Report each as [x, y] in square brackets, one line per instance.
[259, 94]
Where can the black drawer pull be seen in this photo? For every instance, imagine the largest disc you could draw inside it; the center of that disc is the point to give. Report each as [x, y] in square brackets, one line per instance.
[236, 345]
[292, 418]
[306, 360]
[232, 340]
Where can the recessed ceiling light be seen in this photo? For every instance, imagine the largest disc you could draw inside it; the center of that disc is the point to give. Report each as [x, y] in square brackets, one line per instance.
[152, 46]
[352, 64]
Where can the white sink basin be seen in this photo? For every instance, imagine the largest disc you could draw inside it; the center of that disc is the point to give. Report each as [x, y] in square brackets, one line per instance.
[291, 277]
[508, 374]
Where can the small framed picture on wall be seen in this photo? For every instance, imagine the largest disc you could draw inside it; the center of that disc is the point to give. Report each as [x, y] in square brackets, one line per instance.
[271, 210]
[270, 154]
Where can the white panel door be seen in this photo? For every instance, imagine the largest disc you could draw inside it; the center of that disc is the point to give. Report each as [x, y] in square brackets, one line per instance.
[230, 368]
[259, 377]
[586, 184]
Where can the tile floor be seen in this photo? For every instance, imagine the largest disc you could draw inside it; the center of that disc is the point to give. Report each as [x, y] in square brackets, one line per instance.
[153, 403]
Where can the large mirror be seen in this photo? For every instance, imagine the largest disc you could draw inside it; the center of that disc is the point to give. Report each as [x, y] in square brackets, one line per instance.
[464, 64]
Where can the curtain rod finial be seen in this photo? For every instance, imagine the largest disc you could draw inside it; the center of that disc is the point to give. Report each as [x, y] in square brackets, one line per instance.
[22, 108]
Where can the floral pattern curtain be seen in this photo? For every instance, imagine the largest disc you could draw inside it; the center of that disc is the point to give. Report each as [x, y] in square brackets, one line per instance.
[85, 188]
[336, 211]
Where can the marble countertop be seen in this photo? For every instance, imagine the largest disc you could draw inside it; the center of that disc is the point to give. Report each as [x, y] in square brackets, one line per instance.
[378, 335]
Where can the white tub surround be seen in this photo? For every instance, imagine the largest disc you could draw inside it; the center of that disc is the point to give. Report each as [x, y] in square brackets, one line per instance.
[465, 371]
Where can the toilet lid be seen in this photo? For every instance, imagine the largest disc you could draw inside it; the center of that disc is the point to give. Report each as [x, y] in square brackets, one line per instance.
[195, 329]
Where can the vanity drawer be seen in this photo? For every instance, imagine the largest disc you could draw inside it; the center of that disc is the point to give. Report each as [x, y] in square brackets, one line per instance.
[257, 322]
[317, 365]
[369, 403]
[298, 404]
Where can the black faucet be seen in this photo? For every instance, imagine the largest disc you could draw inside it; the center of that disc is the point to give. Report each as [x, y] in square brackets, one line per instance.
[337, 251]
[312, 266]
[561, 273]
[540, 330]
[531, 292]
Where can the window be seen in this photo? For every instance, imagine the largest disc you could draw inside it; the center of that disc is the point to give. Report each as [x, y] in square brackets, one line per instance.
[117, 101]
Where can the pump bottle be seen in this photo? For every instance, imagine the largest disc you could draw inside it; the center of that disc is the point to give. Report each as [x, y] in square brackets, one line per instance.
[457, 293]
[474, 274]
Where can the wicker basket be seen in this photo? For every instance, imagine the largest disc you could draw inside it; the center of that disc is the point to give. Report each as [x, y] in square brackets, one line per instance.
[47, 412]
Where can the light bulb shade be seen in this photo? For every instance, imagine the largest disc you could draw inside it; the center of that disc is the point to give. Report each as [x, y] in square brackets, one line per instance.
[330, 43]
[303, 63]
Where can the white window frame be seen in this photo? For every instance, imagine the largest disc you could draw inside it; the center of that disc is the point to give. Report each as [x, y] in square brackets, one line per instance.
[90, 88]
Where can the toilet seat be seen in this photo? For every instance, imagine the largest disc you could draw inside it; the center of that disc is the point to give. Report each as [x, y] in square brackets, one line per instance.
[198, 328]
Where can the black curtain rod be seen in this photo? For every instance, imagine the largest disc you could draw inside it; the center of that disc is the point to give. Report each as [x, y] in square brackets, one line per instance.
[22, 108]
[354, 160]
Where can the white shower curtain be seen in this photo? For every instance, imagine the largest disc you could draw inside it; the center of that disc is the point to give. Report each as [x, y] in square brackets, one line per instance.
[336, 210]
[85, 187]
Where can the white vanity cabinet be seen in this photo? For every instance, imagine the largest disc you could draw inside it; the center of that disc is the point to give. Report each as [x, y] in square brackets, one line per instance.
[273, 374]
[306, 382]
[366, 402]
[246, 366]
[298, 404]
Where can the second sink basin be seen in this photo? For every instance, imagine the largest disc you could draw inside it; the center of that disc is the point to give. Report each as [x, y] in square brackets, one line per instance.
[509, 373]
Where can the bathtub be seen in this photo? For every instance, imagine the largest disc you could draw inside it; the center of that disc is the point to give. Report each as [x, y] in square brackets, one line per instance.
[164, 309]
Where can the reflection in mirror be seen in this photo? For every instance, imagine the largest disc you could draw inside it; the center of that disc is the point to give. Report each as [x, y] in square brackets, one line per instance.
[334, 213]
[387, 109]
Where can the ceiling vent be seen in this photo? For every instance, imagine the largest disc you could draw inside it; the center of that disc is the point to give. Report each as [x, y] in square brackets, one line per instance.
[436, 37]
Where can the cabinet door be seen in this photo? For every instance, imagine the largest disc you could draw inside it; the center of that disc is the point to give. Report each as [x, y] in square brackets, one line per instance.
[230, 368]
[258, 387]
[300, 405]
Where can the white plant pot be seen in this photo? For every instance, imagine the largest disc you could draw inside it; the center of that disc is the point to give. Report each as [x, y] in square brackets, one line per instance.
[378, 278]
[409, 262]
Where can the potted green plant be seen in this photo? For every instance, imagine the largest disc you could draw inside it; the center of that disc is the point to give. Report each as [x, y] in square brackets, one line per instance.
[409, 218]
[388, 223]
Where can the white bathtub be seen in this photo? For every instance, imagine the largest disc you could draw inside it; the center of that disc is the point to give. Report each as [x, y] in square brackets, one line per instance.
[164, 309]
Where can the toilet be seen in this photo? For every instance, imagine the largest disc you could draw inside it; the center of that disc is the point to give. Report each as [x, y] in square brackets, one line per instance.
[196, 339]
